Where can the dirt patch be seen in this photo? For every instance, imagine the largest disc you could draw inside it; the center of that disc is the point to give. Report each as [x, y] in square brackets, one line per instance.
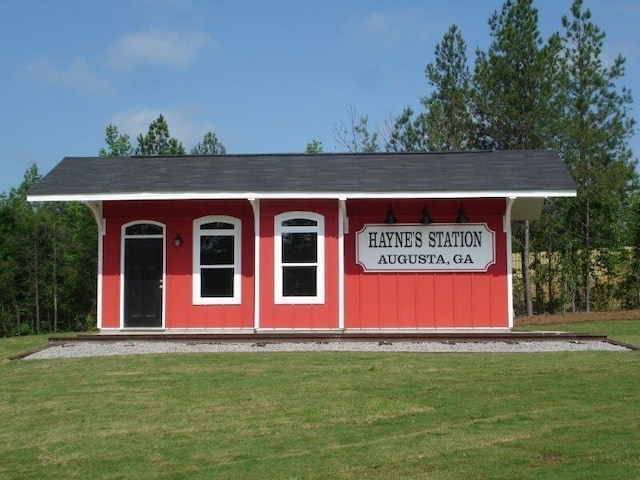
[580, 317]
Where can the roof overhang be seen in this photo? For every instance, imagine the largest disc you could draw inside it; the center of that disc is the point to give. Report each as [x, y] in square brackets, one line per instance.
[525, 177]
[105, 197]
[526, 205]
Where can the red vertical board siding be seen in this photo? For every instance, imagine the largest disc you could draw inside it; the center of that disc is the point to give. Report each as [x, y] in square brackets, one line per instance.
[483, 301]
[111, 276]
[372, 300]
[444, 290]
[426, 300]
[388, 302]
[497, 287]
[407, 301]
[274, 315]
[463, 299]
[360, 299]
[178, 217]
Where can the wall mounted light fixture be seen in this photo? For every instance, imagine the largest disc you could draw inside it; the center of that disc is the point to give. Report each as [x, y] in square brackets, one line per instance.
[391, 218]
[462, 218]
[426, 218]
[178, 240]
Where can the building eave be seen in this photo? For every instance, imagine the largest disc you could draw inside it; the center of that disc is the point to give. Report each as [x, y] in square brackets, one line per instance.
[104, 197]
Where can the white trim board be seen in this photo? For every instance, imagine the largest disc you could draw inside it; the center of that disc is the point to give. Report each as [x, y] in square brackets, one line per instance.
[89, 197]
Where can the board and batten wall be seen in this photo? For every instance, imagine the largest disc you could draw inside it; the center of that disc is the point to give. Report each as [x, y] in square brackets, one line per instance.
[410, 300]
[178, 217]
[372, 300]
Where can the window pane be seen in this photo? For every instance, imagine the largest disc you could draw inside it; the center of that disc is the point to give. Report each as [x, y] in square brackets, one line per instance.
[216, 250]
[144, 229]
[299, 281]
[299, 222]
[299, 247]
[217, 226]
[216, 282]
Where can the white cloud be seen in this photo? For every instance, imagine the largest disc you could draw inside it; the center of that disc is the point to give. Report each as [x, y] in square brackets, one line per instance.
[75, 75]
[377, 27]
[135, 120]
[182, 121]
[375, 24]
[400, 27]
[160, 47]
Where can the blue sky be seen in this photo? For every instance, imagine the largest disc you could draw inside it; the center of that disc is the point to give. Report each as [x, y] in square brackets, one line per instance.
[265, 76]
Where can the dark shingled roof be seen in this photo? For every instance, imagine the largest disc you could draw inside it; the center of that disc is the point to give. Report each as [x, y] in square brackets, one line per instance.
[423, 174]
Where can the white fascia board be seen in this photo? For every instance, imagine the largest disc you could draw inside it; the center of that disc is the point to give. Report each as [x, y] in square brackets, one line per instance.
[296, 195]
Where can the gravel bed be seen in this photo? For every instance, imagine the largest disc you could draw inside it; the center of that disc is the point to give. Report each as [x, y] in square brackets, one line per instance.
[96, 349]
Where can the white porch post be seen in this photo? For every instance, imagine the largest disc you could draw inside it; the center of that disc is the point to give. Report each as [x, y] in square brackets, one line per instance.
[255, 205]
[96, 209]
[507, 230]
[343, 226]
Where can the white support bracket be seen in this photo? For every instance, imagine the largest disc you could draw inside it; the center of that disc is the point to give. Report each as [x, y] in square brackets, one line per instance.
[96, 209]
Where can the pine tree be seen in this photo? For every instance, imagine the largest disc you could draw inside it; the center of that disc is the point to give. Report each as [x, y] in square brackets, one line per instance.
[210, 145]
[158, 141]
[446, 123]
[595, 143]
[516, 80]
[118, 145]
[314, 146]
[407, 134]
[515, 94]
[447, 120]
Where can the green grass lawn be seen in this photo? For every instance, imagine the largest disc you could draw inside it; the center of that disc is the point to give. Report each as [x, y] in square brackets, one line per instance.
[15, 345]
[323, 415]
[625, 331]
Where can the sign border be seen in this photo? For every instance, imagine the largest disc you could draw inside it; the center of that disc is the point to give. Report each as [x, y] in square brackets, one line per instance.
[463, 270]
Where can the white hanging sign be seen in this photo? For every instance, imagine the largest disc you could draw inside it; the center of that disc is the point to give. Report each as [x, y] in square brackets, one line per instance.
[468, 247]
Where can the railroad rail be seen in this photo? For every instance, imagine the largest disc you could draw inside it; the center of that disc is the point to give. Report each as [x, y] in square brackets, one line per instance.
[313, 337]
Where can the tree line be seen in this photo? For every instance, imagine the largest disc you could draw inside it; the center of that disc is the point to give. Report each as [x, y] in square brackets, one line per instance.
[530, 92]
[523, 92]
[48, 250]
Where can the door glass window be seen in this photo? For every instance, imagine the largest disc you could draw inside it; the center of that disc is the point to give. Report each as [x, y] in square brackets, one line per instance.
[143, 229]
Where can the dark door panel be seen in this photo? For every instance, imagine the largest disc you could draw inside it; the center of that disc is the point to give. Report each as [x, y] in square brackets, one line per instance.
[143, 266]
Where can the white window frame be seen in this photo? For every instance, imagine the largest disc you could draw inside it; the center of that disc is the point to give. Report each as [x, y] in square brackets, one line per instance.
[279, 230]
[236, 299]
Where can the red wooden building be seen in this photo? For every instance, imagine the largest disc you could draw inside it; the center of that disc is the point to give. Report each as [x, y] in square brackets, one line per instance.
[299, 242]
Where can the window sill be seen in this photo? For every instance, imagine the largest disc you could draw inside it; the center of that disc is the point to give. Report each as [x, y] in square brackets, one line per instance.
[216, 301]
[299, 301]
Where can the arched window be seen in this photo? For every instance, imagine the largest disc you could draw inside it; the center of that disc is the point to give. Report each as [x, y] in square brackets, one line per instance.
[143, 229]
[216, 260]
[299, 258]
